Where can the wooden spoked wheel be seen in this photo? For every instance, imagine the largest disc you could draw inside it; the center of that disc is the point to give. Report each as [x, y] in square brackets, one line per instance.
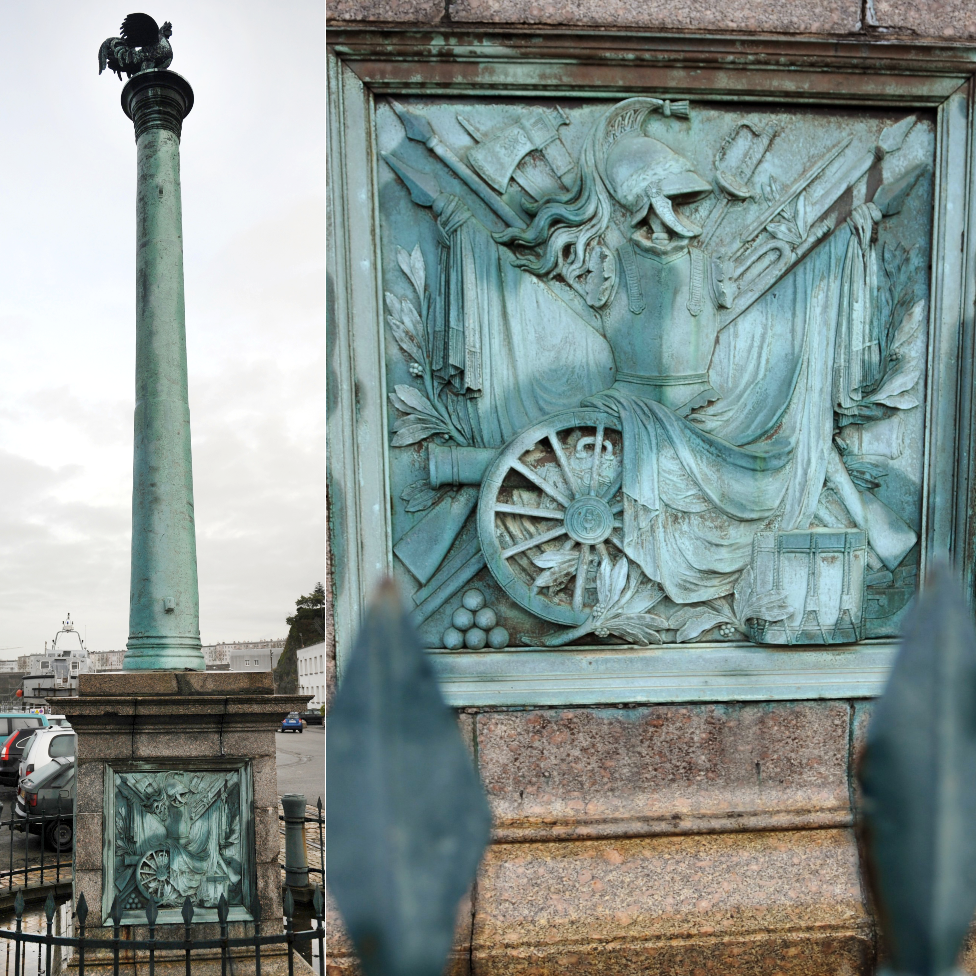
[550, 512]
[152, 873]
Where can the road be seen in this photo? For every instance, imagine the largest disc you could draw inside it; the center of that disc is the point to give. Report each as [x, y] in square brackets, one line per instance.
[301, 763]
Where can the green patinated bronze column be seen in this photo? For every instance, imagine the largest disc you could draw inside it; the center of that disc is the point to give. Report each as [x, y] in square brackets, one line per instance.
[164, 606]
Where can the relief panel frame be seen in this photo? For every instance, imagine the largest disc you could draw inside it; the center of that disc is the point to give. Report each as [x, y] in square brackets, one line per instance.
[366, 63]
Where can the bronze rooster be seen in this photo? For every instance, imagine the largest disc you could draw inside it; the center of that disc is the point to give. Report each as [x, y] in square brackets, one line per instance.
[143, 46]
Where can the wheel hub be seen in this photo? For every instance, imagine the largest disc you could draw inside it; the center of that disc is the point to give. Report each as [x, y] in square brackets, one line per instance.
[589, 520]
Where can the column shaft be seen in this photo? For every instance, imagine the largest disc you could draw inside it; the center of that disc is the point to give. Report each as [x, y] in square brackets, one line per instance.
[164, 614]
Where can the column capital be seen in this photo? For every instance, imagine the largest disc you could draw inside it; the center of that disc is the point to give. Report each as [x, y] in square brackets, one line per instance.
[157, 100]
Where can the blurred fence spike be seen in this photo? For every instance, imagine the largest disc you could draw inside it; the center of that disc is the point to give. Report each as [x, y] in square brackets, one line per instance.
[288, 904]
[407, 818]
[918, 775]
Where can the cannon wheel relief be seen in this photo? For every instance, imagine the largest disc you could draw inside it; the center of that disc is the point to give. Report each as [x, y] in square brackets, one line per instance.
[550, 513]
[668, 386]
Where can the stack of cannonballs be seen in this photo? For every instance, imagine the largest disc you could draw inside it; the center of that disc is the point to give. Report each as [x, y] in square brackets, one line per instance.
[474, 625]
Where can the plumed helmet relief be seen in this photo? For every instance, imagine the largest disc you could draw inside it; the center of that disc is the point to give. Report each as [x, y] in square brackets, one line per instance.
[642, 172]
[621, 163]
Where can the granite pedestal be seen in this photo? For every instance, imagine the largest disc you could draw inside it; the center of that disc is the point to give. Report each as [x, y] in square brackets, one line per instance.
[186, 754]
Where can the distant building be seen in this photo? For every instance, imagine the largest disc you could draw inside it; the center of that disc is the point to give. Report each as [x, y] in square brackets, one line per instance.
[54, 674]
[106, 660]
[259, 655]
[9, 666]
[216, 657]
[311, 673]
[249, 655]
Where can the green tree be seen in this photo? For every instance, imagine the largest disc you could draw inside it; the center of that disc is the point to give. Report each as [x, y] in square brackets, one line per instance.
[305, 627]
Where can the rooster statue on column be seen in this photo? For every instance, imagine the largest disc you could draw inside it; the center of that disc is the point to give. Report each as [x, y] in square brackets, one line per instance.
[143, 46]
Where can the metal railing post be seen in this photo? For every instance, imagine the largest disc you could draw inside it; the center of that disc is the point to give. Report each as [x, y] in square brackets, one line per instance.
[222, 911]
[256, 915]
[296, 860]
[27, 844]
[318, 903]
[152, 911]
[10, 874]
[289, 907]
[44, 827]
[116, 923]
[187, 941]
[49, 913]
[81, 913]
[19, 909]
[57, 853]
[321, 823]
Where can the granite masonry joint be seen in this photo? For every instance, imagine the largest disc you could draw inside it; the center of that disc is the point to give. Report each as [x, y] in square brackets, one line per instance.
[554, 833]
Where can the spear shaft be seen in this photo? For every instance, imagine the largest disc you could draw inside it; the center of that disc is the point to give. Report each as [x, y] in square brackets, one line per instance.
[419, 129]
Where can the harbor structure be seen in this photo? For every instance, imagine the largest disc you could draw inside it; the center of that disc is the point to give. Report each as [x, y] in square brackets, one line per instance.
[54, 673]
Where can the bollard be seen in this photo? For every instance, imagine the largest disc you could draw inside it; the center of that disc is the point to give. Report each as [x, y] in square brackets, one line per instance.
[296, 861]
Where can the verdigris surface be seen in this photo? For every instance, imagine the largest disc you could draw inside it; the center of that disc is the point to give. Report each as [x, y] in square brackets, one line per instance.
[178, 833]
[656, 369]
[164, 602]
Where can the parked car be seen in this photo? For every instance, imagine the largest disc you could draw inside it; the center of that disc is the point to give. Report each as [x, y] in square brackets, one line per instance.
[16, 728]
[313, 718]
[49, 793]
[61, 720]
[45, 745]
[292, 722]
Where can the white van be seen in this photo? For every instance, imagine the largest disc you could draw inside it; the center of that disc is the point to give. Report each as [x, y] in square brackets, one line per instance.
[45, 745]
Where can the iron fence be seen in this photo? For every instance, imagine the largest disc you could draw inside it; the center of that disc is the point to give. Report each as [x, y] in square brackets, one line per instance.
[38, 855]
[38, 850]
[87, 949]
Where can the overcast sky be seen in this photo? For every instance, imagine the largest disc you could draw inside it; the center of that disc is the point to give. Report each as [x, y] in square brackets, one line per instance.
[253, 227]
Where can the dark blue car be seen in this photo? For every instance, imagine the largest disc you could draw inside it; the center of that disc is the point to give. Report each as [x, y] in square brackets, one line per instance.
[292, 723]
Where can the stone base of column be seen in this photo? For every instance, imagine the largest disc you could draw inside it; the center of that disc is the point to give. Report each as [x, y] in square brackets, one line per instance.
[678, 839]
[177, 795]
[769, 903]
[179, 653]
